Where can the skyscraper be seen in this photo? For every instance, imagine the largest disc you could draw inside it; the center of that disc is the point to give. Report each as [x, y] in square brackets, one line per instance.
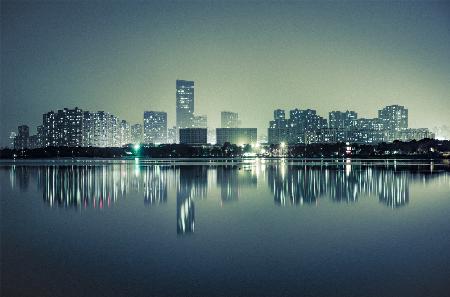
[155, 127]
[63, 128]
[394, 117]
[136, 133]
[184, 103]
[21, 140]
[229, 119]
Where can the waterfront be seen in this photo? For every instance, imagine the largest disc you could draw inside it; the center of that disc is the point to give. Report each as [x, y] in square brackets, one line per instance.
[199, 228]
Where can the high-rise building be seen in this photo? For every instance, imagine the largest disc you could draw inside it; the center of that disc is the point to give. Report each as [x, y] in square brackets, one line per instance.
[88, 128]
[200, 121]
[184, 103]
[229, 119]
[63, 128]
[70, 126]
[342, 119]
[51, 131]
[155, 127]
[239, 136]
[295, 129]
[193, 135]
[394, 117]
[22, 138]
[101, 129]
[136, 133]
[124, 133]
[12, 137]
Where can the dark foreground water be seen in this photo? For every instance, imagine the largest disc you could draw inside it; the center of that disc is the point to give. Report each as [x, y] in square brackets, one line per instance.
[260, 228]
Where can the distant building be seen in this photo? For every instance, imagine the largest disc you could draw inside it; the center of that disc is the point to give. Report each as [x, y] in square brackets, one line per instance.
[229, 119]
[212, 136]
[184, 103]
[124, 133]
[410, 134]
[172, 135]
[342, 119]
[193, 135]
[302, 123]
[394, 117]
[63, 128]
[279, 114]
[136, 133]
[12, 137]
[237, 136]
[200, 121]
[155, 127]
[33, 141]
[22, 138]
[88, 129]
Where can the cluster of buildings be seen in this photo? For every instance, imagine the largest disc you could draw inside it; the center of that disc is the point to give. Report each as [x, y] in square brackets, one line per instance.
[305, 126]
[78, 128]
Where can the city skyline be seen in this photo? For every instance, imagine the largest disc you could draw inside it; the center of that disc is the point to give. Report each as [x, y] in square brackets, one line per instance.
[78, 128]
[325, 56]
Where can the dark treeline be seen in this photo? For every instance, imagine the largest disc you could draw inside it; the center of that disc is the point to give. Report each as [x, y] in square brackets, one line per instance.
[426, 148]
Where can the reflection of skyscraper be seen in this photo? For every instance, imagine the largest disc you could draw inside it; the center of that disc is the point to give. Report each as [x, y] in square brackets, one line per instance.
[394, 191]
[155, 185]
[185, 103]
[232, 181]
[299, 185]
[193, 184]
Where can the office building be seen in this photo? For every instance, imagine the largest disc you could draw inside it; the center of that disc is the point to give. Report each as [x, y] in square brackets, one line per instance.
[155, 127]
[184, 103]
[239, 136]
[229, 119]
[193, 136]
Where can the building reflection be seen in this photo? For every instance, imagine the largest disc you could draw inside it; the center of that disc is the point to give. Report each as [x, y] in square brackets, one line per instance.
[155, 185]
[341, 183]
[100, 186]
[232, 180]
[193, 184]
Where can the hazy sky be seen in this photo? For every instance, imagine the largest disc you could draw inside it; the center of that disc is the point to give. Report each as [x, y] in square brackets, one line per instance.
[250, 57]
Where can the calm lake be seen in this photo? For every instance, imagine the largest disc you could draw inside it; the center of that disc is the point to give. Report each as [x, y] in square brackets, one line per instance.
[200, 228]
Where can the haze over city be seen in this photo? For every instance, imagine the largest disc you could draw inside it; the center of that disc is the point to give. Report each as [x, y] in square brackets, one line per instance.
[250, 57]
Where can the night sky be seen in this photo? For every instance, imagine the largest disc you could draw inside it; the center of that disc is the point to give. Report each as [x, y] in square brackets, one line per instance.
[249, 57]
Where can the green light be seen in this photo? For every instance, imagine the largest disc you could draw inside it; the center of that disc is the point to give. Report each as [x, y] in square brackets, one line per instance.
[136, 147]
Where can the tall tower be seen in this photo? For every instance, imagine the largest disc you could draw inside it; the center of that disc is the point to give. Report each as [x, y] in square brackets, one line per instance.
[185, 103]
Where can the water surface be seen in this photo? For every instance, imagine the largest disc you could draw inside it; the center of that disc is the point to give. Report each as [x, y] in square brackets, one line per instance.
[253, 228]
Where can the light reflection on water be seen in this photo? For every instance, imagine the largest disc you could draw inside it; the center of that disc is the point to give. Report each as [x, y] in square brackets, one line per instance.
[101, 185]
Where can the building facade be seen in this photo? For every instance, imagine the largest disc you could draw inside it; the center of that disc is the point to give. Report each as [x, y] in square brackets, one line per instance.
[239, 136]
[184, 103]
[193, 136]
[155, 127]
